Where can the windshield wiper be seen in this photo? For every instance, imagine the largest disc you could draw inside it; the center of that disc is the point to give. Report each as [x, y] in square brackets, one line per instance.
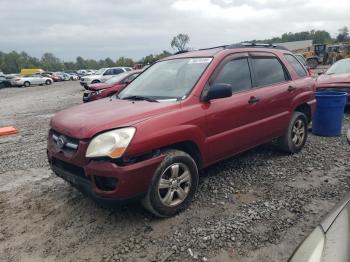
[145, 98]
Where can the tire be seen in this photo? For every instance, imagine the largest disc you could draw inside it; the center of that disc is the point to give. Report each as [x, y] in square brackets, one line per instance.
[291, 142]
[166, 201]
[26, 84]
[48, 82]
[312, 63]
[95, 82]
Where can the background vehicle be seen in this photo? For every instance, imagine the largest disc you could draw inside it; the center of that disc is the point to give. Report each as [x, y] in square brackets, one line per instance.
[110, 87]
[102, 75]
[336, 78]
[329, 241]
[317, 55]
[4, 82]
[31, 71]
[29, 80]
[182, 114]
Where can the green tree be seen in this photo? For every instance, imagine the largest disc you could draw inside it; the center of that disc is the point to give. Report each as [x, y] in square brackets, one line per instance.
[51, 62]
[343, 34]
[180, 42]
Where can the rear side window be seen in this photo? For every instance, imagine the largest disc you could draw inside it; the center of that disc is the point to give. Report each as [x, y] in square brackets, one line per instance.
[117, 71]
[237, 74]
[268, 71]
[296, 65]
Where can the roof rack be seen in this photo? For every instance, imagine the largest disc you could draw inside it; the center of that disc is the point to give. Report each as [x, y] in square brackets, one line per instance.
[208, 48]
[181, 52]
[256, 45]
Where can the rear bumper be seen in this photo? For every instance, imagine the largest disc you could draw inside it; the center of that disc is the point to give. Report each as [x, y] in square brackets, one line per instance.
[129, 182]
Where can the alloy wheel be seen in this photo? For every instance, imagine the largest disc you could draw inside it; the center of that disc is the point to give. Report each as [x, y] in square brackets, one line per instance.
[174, 184]
[298, 132]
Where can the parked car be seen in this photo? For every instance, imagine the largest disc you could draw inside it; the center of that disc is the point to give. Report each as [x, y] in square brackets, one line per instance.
[329, 241]
[182, 114]
[112, 86]
[336, 78]
[73, 76]
[56, 77]
[4, 82]
[29, 80]
[102, 75]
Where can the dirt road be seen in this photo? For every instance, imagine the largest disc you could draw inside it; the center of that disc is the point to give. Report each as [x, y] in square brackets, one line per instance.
[254, 207]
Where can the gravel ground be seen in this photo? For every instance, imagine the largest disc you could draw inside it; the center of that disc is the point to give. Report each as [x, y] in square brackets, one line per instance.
[253, 207]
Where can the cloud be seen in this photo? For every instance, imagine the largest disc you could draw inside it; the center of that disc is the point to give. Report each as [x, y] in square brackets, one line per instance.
[114, 28]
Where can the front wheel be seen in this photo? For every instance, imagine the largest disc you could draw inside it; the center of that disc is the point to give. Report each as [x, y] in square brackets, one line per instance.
[174, 184]
[296, 135]
[48, 82]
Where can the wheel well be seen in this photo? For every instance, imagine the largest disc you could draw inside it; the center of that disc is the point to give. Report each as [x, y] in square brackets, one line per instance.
[305, 108]
[192, 149]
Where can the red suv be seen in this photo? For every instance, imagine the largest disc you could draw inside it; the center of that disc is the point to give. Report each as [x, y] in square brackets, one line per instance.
[112, 86]
[181, 115]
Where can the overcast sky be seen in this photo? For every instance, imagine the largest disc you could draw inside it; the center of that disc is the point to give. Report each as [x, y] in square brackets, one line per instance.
[135, 28]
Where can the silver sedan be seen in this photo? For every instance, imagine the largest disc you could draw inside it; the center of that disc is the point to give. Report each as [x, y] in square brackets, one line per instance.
[29, 80]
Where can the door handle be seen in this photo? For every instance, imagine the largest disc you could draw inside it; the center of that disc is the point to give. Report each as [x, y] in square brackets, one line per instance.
[253, 100]
[291, 88]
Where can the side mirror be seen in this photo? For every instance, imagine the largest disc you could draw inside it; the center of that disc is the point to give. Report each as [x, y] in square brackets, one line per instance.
[217, 91]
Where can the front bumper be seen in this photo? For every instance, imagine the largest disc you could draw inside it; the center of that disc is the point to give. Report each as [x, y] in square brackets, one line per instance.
[95, 177]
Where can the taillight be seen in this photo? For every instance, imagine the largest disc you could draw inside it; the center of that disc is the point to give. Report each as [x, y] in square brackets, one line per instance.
[17, 79]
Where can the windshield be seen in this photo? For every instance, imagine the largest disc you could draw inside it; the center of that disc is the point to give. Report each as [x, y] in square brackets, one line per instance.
[340, 67]
[117, 78]
[100, 71]
[171, 79]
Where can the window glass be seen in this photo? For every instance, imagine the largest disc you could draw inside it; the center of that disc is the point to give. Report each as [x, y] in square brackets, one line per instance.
[117, 71]
[296, 65]
[109, 72]
[169, 79]
[268, 71]
[237, 74]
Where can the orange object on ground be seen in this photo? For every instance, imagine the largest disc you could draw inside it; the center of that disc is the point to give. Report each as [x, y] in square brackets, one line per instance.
[8, 130]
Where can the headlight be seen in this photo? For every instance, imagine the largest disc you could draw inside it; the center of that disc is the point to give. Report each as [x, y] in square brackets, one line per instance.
[312, 248]
[112, 143]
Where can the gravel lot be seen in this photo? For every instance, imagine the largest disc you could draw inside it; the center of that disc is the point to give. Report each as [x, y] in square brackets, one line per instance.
[254, 207]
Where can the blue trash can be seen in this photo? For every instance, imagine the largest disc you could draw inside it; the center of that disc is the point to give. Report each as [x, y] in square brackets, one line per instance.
[328, 118]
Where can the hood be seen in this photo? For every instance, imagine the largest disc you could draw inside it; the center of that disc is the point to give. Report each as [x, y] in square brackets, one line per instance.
[84, 121]
[332, 79]
[99, 86]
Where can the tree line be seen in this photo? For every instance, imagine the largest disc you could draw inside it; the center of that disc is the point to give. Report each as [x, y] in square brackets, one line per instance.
[13, 62]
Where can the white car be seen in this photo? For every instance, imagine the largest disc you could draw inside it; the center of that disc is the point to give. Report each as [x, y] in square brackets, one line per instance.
[102, 75]
[29, 80]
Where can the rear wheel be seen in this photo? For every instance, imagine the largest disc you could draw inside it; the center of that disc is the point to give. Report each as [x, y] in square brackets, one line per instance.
[174, 184]
[95, 82]
[296, 135]
[26, 84]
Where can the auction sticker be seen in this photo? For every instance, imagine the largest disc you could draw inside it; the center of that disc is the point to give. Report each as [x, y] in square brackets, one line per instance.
[200, 60]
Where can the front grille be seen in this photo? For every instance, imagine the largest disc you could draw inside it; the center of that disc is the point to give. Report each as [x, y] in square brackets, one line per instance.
[65, 142]
[70, 168]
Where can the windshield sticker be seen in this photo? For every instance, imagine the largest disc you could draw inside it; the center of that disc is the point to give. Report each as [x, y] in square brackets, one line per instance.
[200, 61]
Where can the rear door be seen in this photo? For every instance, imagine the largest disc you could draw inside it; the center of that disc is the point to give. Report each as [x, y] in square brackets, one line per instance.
[233, 122]
[274, 91]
